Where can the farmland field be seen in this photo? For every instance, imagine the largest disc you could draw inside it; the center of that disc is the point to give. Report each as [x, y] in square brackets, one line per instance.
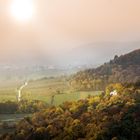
[44, 89]
[10, 119]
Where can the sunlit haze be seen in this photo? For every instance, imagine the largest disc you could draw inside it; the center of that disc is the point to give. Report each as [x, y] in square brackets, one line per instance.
[22, 10]
[58, 32]
[69, 69]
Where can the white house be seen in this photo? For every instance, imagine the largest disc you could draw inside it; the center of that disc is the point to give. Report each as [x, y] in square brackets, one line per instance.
[114, 93]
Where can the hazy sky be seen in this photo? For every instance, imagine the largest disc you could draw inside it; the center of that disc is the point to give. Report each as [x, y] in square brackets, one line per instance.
[59, 26]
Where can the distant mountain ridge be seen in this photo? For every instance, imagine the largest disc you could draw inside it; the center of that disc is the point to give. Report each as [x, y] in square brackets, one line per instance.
[123, 69]
[132, 58]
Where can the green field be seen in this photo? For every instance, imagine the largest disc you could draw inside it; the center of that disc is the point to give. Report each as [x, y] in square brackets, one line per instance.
[60, 98]
[11, 117]
[43, 90]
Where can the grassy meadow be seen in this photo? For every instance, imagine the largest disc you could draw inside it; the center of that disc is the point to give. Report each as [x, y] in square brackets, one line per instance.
[44, 89]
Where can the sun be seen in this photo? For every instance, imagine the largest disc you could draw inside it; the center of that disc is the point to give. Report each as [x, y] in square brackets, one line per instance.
[22, 10]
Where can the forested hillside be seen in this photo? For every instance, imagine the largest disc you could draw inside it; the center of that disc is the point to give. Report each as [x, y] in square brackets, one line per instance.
[102, 117]
[123, 69]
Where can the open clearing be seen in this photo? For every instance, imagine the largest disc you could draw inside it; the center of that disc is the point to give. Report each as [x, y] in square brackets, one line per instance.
[43, 90]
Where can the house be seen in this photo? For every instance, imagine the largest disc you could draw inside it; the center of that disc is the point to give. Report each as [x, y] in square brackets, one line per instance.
[114, 93]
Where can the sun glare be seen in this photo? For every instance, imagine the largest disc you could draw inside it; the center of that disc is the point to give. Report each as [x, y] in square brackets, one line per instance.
[22, 10]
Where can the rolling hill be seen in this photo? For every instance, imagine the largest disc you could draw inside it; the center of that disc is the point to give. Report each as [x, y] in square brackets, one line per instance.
[122, 69]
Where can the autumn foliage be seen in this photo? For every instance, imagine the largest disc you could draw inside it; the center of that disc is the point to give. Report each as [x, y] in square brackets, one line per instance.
[101, 117]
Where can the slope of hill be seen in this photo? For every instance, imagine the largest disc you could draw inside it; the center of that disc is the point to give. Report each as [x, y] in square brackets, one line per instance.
[95, 118]
[123, 69]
